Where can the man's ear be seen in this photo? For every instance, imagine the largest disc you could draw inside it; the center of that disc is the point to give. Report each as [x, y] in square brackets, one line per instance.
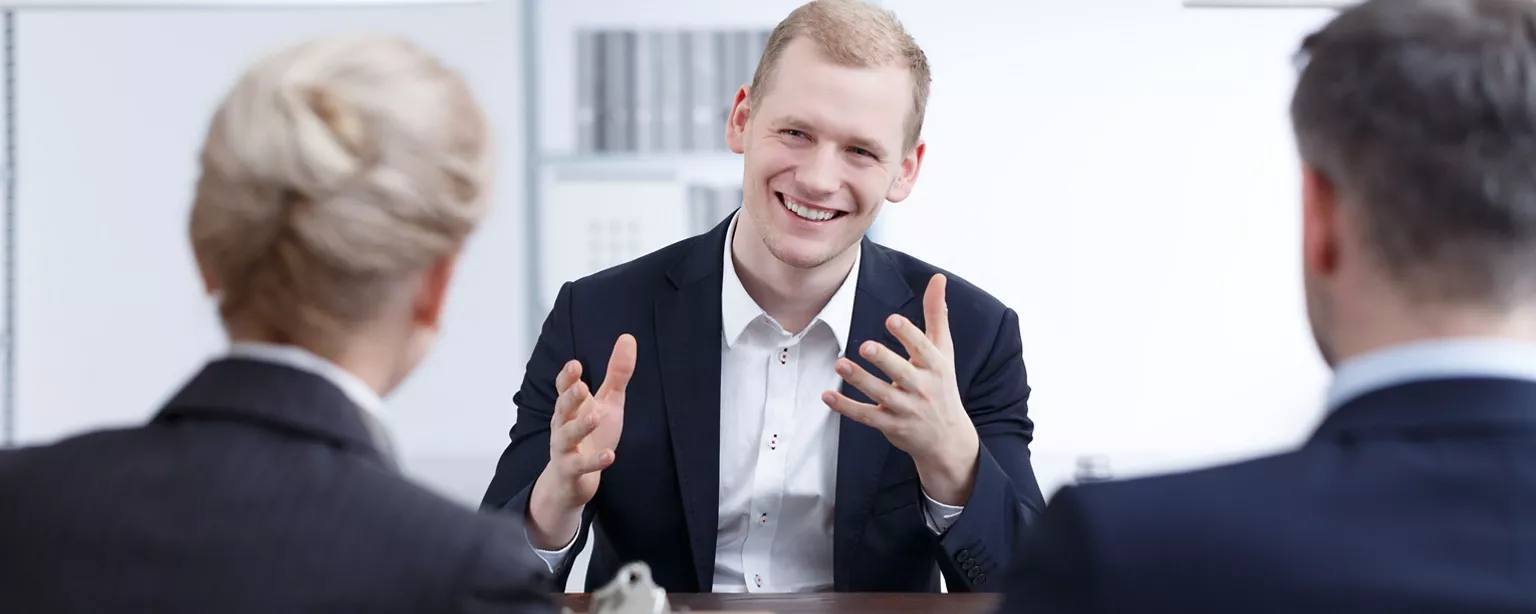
[736, 123]
[428, 309]
[906, 176]
[1319, 222]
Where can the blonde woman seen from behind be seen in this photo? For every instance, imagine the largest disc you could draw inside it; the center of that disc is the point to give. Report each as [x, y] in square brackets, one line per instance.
[340, 179]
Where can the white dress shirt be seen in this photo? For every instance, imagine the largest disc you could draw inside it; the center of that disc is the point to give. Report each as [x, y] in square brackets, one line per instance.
[778, 444]
[356, 390]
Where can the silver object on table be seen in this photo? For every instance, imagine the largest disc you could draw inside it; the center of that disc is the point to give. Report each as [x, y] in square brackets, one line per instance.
[631, 592]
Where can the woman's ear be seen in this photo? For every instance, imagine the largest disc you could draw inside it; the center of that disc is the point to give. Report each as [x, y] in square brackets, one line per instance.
[428, 308]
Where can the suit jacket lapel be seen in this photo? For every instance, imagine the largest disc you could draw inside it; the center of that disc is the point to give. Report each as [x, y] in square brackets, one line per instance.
[862, 450]
[688, 339]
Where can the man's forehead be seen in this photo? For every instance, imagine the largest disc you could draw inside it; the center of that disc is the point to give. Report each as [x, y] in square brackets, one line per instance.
[851, 106]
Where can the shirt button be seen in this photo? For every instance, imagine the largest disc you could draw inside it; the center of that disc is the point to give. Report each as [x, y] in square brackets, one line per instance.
[764, 518]
[773, 443]
[758, 579]
[783, 356]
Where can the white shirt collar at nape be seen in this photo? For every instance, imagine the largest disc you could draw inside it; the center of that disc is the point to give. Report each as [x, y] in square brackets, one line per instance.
[359, 392]
[1428, 360]
[738, 310]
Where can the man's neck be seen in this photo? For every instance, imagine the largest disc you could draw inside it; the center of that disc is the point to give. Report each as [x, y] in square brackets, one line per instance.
[791, 296]
[1394, 328]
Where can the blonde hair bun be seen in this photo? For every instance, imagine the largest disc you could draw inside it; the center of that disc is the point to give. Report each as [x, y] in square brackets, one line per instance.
[333, 170]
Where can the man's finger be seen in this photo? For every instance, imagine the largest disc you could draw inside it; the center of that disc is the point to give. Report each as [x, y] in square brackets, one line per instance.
[918, 345]
[863, 413]
[901, 372]
[621, 365]
[876, 389]
[568, 376]
[570, 434]
[568, 403]
[936, 314]
[582, 464]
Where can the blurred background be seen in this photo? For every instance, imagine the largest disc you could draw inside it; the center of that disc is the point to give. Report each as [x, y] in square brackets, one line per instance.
[1120, 172]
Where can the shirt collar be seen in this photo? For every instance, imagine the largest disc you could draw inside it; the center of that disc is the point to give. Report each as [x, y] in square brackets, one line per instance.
[1435, 359]
[359, 392]
[738, 310]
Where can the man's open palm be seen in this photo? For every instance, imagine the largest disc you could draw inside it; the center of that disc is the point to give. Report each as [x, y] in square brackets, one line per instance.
[586, 427]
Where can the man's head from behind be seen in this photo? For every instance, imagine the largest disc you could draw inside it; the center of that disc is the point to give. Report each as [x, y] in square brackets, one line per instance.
[1416, 123]
[829, 128]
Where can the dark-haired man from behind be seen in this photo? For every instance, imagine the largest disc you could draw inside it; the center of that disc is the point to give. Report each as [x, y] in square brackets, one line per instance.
[1416, 121]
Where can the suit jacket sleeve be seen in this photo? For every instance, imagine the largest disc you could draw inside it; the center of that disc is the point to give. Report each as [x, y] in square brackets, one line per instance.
[977, 550]
[1053, 572]
[504, 577]
[528, 453]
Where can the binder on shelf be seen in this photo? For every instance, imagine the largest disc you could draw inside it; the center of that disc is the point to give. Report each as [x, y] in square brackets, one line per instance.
[630, 43]
[725, 79]
[587, 77]
[601, 92]
[643, 74]
[670, 92]
[660, 91]
[708, 126]
[615, 93]
[754, 41]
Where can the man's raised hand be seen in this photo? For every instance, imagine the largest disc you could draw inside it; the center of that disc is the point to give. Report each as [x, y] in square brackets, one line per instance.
[583, 436]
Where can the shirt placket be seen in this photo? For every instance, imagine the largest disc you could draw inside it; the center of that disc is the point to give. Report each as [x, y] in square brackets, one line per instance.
[769, 474]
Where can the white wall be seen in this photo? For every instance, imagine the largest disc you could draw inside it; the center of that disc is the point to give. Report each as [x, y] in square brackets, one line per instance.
[1121, 173]
[112, 106]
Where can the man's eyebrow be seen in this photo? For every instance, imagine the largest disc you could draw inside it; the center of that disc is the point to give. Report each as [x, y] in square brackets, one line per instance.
[869, 145]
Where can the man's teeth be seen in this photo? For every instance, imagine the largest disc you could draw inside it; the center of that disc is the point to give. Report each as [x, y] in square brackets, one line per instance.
[814, 215]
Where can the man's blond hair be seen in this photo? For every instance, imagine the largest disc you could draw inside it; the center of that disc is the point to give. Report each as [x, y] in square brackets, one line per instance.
[335, 170]
[851, 33]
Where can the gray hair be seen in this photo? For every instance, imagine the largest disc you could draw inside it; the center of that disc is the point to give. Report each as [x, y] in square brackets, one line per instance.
[1423, 114]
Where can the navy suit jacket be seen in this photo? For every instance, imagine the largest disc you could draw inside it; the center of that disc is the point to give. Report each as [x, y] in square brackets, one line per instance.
[659, 501]
[255, 489]
[1417, 498]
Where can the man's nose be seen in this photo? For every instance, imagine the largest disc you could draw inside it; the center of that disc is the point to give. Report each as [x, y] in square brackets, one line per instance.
[819, 173]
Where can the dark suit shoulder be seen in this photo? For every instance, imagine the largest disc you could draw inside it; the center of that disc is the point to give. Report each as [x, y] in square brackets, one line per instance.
[1195, 497]
[1148, 539]
[26, 466]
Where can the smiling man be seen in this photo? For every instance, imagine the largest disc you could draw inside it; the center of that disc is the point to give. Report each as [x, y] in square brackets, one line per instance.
[781, 405]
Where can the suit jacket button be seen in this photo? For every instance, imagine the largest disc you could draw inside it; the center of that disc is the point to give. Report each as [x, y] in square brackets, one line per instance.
[972, 573]
[981, 578]
[967, 564]
[965, 555]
